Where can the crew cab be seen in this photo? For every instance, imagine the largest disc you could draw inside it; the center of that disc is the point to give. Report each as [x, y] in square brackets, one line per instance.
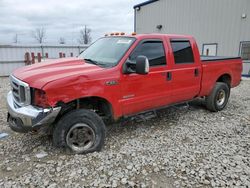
[118, 76]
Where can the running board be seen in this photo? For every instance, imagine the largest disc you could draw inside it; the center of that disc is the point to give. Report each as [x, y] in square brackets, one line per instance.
[143, 117]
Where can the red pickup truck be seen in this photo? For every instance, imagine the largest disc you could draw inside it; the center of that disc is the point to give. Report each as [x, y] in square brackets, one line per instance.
[116, 77]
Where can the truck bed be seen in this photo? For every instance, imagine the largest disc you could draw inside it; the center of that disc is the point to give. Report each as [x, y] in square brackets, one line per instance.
[216, 58]
[214, 67]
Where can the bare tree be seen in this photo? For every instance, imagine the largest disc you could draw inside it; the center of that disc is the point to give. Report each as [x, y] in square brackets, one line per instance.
[85, 35]
[62, 40]
[39, 34]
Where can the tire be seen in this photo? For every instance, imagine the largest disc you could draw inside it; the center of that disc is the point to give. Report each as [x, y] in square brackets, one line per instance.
[218, 99]
[81, 131]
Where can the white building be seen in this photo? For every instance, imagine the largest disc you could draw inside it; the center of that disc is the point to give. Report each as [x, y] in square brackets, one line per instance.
[221, 27]
[13, 56]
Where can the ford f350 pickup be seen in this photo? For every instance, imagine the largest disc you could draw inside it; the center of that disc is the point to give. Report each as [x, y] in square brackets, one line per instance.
[117, 76]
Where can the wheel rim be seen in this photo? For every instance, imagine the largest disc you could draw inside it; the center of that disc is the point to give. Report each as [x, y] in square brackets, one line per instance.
[221, 97]
[80, 137]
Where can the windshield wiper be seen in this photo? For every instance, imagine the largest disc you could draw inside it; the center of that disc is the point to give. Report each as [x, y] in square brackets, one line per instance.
[92, 61]
[95, 62]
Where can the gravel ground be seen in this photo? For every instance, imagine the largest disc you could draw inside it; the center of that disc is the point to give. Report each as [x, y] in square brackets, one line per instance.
[185, 146]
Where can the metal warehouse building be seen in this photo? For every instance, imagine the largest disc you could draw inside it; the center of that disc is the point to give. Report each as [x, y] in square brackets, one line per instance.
[221, 27]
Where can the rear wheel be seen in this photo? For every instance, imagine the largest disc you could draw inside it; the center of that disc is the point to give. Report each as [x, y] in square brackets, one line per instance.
[218, 99]
[81, 131]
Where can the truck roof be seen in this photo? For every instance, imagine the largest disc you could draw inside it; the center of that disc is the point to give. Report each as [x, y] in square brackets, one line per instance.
[140, 36]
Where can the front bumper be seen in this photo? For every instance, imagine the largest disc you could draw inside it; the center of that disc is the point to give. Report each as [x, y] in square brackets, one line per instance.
[27, 118]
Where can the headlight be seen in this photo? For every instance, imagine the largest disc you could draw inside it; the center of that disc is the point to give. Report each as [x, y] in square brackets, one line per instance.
[40, 98]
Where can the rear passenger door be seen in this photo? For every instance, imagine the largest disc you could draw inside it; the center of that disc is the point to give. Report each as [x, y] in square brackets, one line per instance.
[186, 72]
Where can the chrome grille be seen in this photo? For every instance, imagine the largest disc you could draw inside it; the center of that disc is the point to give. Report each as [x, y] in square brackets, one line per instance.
[20, 91]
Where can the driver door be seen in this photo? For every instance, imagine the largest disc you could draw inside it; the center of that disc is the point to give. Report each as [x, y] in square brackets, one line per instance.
[145, 92]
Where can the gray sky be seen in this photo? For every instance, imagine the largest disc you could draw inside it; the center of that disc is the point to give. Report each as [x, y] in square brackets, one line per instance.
[64, 18]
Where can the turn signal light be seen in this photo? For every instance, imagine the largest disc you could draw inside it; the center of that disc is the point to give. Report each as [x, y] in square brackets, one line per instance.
[134, 33]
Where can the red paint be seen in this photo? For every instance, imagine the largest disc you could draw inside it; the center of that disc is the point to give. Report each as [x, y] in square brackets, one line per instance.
[71, 78]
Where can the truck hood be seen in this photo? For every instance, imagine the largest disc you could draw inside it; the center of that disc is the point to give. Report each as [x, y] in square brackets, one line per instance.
[40, 74]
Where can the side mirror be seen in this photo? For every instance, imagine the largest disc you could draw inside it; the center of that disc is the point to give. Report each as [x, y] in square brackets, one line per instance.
[142, 65]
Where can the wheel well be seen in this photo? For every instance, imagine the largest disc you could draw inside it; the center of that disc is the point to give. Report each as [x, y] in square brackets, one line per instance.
[226, 78]
[99, 105]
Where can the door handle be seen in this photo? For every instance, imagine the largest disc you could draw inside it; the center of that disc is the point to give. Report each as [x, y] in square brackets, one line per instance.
[169, 76]
[196, 72]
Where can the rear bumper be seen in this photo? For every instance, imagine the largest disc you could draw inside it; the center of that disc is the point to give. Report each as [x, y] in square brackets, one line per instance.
[27, 118]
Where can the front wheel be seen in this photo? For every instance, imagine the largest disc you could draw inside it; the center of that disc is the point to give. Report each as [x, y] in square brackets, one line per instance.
[81, 131]
[218, 99]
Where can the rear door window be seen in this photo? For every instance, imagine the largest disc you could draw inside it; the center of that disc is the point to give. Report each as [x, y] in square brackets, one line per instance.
[183, 52]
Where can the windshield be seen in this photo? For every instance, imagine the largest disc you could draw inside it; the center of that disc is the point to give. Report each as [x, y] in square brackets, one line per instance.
[107, 51]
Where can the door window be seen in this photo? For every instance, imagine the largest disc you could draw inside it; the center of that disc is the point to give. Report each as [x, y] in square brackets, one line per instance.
[183, 52]
[153, 50]
[245, 50]
[209, 49]
[245, 55]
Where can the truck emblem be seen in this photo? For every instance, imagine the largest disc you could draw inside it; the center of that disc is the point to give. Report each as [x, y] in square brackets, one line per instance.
[112, 82]
[128, 96]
